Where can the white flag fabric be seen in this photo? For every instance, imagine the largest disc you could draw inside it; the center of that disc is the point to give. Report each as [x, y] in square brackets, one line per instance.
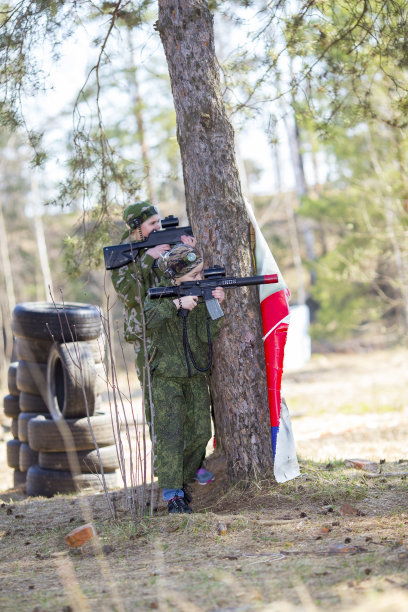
[275, 320]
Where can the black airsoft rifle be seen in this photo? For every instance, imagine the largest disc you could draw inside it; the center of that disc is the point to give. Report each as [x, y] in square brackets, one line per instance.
[119, 255]
[213, 277]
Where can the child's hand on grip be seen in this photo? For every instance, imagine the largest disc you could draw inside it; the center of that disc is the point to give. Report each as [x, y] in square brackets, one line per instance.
[187, 301]
[219, 294]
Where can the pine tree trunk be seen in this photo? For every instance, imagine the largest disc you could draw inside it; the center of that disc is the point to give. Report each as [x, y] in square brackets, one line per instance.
[5, 264]
[41, 243]
[292, 229]
[217, 213]
[137, 106]
[7, 303]
[306, 225]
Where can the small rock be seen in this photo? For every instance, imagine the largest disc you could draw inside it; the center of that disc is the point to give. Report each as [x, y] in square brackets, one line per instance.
[222, 529]
[340, 548]
[349, 510]
[362, 464]
[77, 537]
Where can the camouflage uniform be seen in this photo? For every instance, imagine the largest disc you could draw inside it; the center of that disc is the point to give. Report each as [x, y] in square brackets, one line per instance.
[182, 423]
[128, 281]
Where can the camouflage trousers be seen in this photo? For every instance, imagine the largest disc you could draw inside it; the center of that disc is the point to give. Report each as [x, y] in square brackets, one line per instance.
[140, 364]
[182, 427]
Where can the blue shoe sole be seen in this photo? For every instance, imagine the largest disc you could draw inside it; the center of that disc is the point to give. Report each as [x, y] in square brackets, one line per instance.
[206, 482]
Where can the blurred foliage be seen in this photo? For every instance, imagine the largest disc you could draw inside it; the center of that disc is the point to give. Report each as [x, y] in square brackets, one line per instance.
[338, 69]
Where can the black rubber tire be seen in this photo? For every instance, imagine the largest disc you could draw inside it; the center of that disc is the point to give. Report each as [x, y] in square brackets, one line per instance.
[100, 386]
[23, 420]
[88, 460]
[14, 428]
[97, 348]
[49, 482]
[33, 350]
[19, 478]
[44, 435]
[32, 377]
[71, 373]
[27, 457]
[35, 403]
[38, 350]
[11, 406]
[12, 379]
[13, 452]
[59, 322]
[32, 403]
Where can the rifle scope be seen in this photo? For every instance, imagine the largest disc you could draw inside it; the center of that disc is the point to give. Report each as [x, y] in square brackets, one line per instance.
[214, 272]
[170, 221]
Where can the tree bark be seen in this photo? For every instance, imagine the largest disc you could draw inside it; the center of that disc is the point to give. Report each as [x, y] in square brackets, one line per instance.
[216, 210]
[138, 112]
[7, 303]
[306, 226]
[292, 228]
[41, 242]
[5, 264]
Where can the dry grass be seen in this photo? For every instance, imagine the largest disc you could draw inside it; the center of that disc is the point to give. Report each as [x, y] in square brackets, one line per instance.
[275, 554]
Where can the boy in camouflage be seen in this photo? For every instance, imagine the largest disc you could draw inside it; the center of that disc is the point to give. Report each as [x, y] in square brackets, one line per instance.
[131, 282]
[182, 423]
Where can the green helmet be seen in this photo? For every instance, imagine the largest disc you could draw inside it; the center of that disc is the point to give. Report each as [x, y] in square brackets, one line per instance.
[135, 214]
[180, 260]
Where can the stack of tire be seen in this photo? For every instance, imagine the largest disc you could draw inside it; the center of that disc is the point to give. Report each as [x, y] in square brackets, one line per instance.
[11, 406]
[60, 373]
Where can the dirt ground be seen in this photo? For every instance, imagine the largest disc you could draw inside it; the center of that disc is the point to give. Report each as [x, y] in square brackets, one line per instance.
[334, 538]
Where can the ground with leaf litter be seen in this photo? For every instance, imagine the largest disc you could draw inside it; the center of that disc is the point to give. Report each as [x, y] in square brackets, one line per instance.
[335, 538]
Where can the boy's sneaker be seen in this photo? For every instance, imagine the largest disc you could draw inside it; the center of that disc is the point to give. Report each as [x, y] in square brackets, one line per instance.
[187, 493]
[204, 476]
[178, 505]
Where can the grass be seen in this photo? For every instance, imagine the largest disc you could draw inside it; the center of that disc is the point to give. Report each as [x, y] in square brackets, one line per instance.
[275, 555]
[273, 549]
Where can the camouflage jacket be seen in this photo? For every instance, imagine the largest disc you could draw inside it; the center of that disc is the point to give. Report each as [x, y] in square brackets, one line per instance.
[126, 286]
[165, 329]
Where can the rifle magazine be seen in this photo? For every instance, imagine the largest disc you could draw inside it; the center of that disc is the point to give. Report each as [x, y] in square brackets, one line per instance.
[214, 309]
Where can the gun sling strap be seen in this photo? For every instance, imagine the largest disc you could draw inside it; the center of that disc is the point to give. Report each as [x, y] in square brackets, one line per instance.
[183, 313]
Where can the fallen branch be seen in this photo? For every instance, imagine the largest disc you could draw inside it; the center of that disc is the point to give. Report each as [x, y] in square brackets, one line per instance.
[386, 474]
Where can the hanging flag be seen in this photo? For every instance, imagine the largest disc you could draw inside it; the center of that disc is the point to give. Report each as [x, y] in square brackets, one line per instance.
[274, 301]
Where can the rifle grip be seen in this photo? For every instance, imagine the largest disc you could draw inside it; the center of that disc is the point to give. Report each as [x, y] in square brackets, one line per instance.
[183, 312]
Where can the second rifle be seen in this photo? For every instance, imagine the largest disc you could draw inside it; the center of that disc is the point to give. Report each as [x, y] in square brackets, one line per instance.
[213, 277]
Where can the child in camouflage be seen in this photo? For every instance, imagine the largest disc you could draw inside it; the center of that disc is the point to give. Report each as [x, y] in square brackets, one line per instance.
[131, 282]
[182, 422]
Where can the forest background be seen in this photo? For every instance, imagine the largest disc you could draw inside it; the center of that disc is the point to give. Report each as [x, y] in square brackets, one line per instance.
[324, 86]
[319, 88]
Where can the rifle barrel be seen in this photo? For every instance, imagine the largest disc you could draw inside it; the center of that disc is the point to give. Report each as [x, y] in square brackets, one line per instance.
[232, 281]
